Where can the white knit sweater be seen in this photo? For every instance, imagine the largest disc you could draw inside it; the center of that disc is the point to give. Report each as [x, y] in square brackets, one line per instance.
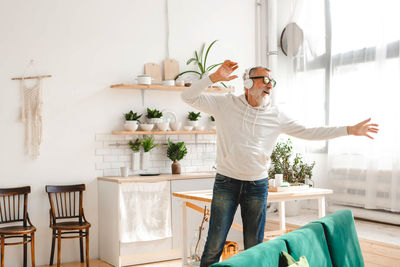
[246, 135]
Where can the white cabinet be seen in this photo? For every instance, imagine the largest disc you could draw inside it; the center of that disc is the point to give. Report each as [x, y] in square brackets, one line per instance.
[116, 253]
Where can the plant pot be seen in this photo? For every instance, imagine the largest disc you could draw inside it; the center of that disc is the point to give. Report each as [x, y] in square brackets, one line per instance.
[213, 125]
[193, 123]
[155, 120]
[176, 167]
[135, 161]
[145, 163]
[131, 125]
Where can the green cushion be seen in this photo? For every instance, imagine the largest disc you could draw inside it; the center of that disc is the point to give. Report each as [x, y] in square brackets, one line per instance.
[341, 234]
[266, 254]
[309, 241]
[290, 262]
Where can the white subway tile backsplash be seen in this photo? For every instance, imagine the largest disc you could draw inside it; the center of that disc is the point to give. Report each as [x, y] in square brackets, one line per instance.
[158, 163]
[118, 151]
[102, 151]
[112, 172]
[109, 158]
[186, 137]
[117, 164]
[103, 165]
[117, 137]
[197, 162]
[125, 158]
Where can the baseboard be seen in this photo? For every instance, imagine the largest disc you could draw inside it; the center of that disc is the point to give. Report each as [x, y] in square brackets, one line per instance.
[371, 215]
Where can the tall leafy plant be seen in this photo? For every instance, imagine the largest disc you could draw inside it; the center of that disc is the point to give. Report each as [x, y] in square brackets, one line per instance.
[135, 146]
[148, 143]
[200, 60]
[176, 151]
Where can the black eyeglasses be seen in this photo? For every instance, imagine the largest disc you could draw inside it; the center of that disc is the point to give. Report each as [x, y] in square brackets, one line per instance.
[266, 80]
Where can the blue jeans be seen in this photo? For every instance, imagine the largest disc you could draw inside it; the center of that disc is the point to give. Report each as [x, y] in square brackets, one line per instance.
[228, 193]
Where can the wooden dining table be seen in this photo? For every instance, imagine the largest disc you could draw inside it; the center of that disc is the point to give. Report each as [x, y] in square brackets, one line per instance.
[192, 200]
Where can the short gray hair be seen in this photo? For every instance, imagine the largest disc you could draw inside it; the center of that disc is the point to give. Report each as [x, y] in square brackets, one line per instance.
[253, 69]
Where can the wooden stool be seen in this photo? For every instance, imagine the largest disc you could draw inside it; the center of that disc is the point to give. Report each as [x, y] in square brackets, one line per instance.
[66, 203]
[14, 208]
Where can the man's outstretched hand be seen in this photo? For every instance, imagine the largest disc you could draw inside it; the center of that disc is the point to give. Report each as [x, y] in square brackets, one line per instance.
[363, 128]
[224, 71]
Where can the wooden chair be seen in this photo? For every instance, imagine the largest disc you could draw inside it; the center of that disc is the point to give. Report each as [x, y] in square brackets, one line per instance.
[14, 209]
[66, 204]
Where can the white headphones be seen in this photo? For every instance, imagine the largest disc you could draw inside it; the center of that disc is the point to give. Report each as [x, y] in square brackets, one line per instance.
[247, 82]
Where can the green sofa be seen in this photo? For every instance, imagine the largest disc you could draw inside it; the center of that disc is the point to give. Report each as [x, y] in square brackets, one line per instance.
[329, 241]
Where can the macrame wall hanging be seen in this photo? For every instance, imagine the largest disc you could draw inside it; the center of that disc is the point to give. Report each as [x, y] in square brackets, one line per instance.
[31, 113]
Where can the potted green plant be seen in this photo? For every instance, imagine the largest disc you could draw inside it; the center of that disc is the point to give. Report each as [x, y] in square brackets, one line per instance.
[176, 152]
[200, 61]
[147, 144]
[213, 125]
[294, 173]
[135, 147]
[193, 118]
[154, 116]
[131, 120]
[281, 159]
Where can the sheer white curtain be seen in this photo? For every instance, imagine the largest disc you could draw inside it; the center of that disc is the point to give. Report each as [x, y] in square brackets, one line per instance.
[365, 82]
[348, 70]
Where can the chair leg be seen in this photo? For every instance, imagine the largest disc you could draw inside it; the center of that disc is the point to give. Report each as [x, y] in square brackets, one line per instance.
[87, 247]
[25, 250]
[81, 244]
[53, 243]
[58, 248]
[2, 251]
[33, 249]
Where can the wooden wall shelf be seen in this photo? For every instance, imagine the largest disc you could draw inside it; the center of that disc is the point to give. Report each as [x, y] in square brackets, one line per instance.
[163, 132]
[168, 88]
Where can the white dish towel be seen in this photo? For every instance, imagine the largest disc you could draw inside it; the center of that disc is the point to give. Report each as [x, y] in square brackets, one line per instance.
[145, 211]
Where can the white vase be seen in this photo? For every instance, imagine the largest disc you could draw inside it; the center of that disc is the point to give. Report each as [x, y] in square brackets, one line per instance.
[135, 161]
[193, 123]
[131, 125]
[278, 179]
[155, 120]
[145, 163]
[213, 125]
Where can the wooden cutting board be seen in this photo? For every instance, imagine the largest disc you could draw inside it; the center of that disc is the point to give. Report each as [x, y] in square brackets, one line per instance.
[153, 70]
[171, 69]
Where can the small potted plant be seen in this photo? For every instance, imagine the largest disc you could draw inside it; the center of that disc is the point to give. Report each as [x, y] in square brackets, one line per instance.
[147, 144]
[154, 116]
[213, 125]
[176, 152]
[131, 121]
[135, 146]
[193, 118]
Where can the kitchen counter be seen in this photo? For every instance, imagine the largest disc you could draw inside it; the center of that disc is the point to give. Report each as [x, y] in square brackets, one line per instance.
[158, 178]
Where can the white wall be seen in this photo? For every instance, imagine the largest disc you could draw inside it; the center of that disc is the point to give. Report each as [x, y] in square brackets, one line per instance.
[87, 46]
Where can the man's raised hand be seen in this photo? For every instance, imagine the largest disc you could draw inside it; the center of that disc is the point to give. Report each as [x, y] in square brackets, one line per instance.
[224, 72]
[363, 128]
